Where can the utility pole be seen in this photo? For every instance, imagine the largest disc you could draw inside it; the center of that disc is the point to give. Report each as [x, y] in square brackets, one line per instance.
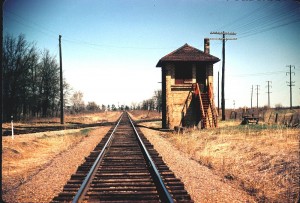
[1, 96]
[257, 89]
[61, 85]
[223, 65]
[251, 95]
[269, 92]
[291, 83]
[218, 92]
[233, 105]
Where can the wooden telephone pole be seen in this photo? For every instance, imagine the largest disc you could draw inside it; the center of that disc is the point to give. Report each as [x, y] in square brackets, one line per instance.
[1, 97]
[218, 92]
[61, 84]
[223, 66]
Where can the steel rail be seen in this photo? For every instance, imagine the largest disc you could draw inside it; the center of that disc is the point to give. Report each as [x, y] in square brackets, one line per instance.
[163, 191]
[83, 188]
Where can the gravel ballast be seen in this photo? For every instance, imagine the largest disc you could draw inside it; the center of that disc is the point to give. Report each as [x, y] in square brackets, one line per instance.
[200, 182]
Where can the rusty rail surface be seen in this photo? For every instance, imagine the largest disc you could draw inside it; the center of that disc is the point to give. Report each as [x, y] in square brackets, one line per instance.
[124, 167]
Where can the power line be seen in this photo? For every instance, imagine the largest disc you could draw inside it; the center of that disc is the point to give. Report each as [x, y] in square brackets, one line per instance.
[245, 16]
[113, 46]
[291, 83]
[251, 95]
[248, 24]
[268, 86]
[258, 74]
[30, 24]
[33, 25]
[257, 89]
[223, 65]
[277, 19]
[267, 20]
[271, 28]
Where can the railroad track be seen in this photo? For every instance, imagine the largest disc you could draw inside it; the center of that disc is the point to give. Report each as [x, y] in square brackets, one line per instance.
[124, 167]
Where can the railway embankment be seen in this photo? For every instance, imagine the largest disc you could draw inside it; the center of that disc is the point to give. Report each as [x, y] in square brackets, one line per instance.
[261, 160]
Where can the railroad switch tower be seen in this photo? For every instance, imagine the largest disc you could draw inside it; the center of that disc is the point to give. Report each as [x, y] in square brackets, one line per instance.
[187, 87]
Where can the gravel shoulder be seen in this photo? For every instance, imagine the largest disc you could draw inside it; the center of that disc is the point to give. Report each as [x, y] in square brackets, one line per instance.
[46, 179]
[201, 182]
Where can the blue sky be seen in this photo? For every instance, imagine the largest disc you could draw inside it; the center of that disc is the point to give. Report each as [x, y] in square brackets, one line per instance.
[110, 48]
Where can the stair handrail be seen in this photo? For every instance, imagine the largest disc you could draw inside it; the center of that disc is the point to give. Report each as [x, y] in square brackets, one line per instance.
[212, 103]
[197, 91]
[207, 119]
[211, 99]
[185, 105]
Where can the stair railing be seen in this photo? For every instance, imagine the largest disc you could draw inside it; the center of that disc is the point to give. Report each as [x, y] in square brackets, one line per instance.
[208, 119]
[212, 105]
[184, 108]
[197, 92]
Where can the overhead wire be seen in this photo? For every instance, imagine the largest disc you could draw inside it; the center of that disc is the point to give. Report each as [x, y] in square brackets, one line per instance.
[67, 39]
[285, 18]
[23, 22]
[33, 25]
[256, 19]
[249, 24]
[258, 74]
[245, 16]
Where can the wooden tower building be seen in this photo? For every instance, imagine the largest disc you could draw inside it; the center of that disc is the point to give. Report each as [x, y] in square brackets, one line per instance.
[187, 88]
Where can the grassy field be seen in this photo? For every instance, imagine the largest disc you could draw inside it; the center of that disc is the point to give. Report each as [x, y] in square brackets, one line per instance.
[261, 159]
[72, 121]
[29, 153]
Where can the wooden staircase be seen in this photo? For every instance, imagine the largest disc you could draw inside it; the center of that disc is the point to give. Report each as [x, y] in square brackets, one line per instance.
[205, 108]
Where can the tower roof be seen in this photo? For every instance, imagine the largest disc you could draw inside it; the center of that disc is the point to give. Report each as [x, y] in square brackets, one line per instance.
[187, 53]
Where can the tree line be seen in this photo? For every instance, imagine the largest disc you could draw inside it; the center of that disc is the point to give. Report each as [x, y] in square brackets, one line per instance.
[153, 103]
[30, 80]
[77, 105]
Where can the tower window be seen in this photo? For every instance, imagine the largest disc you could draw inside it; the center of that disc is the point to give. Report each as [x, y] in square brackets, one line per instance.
[183, 75]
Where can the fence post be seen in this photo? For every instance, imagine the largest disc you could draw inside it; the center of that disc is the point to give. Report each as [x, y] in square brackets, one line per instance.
[12, 128]
[276, 118]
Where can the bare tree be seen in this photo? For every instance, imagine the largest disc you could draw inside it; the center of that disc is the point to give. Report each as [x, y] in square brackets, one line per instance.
[77, 101]
[30, 80]
[49, 84]
[19, 61]
[92, 106]
[158, 98]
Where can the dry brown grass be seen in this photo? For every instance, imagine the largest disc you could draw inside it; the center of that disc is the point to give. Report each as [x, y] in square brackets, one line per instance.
[83, 118]
[36, 166]
[73, 121]
[143, 114]
[25, 155]
[263, 160]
